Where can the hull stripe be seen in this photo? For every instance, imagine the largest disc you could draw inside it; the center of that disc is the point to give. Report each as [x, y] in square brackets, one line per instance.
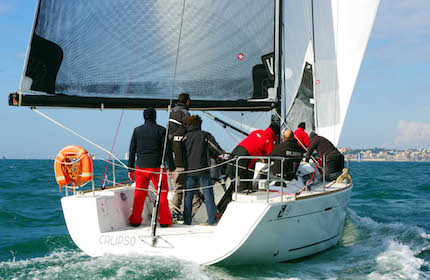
[314, 243]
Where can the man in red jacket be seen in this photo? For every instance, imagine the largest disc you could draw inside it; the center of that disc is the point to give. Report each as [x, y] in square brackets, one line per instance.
[258, 143]
[301, 136]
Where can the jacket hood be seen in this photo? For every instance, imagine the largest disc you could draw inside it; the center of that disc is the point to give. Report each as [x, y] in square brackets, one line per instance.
[180, 105]
[193, 128]
[271, 133]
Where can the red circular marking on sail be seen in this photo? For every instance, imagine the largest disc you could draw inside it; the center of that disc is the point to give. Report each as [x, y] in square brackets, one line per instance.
[317, 82]
[240, 56]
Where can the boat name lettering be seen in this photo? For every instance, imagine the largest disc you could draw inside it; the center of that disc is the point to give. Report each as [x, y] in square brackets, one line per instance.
[117, 240]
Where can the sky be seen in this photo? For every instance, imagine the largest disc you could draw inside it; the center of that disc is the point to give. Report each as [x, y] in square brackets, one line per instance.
[390, 106]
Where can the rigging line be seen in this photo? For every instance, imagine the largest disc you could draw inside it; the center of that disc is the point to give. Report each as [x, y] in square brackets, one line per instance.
[295, 137]
[89, 141]
[182, 172]
[120, 120]
[256, 119]
[155, 217]
[113, 145]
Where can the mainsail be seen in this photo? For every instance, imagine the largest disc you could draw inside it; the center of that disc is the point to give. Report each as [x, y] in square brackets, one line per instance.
[123, 54]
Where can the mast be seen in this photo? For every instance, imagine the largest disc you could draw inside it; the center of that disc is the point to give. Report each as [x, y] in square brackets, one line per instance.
[313, 66]
[278, 60]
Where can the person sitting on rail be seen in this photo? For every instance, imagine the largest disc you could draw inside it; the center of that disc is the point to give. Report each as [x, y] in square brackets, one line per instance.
[148, 143]
[196, 144]
[258, 143]
[334, 161]
[293, 153]
[301, 136]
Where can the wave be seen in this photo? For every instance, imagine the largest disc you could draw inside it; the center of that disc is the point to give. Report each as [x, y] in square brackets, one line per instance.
[76, 265]
[396, 248]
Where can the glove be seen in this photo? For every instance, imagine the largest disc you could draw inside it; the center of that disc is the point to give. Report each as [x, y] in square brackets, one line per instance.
[131, 175]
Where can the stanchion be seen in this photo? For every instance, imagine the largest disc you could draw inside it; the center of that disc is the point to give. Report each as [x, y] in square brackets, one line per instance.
[324, 163]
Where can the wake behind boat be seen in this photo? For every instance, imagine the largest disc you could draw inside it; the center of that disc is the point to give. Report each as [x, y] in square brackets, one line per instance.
[294, 60]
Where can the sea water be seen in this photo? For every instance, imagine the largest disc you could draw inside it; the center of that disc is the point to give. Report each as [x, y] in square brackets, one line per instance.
[386, 233]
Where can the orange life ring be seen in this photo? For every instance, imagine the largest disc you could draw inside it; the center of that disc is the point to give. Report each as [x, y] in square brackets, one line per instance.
[73, 165]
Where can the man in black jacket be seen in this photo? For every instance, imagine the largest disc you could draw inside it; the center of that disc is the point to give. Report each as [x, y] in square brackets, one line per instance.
[293, 154]
[177, 128]
[179, 177]
[196, 144]
[335, 161]
[148, 143]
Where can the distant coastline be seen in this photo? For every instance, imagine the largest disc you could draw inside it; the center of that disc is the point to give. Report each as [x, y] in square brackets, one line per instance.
[389, 155]
[383, 160]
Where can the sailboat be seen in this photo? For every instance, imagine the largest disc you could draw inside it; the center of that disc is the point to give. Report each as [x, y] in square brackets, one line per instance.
[298, 60]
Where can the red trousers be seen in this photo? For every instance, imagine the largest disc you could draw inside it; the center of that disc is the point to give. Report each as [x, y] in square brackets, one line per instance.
[142, 182]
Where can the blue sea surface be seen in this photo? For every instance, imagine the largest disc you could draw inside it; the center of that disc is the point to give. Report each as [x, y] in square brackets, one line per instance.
[386, 233]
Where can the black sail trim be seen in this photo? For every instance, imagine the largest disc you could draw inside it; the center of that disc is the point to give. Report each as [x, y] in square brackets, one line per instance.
[32, 100]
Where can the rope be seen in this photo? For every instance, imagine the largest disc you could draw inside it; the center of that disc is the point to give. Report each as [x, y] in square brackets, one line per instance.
[68, 129]
[72, 162]
[155, 217]
[310, 180]
[182, 190]
[113, 144]
[167, 173]
[295, 137]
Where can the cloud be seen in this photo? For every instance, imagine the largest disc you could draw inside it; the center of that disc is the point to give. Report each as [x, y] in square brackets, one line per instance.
[412, 134]
[4, 8]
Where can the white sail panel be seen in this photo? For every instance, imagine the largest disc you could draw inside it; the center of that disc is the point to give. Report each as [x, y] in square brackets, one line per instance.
[342, 29]
[355, 23]
[297, 30]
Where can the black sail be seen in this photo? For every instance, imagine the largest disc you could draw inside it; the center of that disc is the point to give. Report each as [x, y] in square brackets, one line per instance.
[123, 53]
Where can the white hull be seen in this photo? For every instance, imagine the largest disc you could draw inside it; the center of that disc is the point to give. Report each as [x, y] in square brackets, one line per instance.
[252, 229]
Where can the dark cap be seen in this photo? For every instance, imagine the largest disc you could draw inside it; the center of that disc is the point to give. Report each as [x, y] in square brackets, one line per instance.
[183, 97]
[302, 125]
[312, 135]
[149, 114]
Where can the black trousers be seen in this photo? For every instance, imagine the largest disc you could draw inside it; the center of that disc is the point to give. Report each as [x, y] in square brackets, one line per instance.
[243, 172]
[335, 162]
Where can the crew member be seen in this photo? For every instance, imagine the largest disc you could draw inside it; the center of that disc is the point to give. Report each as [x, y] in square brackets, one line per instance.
[148, 143]
[196, 143]
[293, 153]
[258, 143]
[301, 135]
[177, 129]
[179, 114]
[334, 159]
[179, 176]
